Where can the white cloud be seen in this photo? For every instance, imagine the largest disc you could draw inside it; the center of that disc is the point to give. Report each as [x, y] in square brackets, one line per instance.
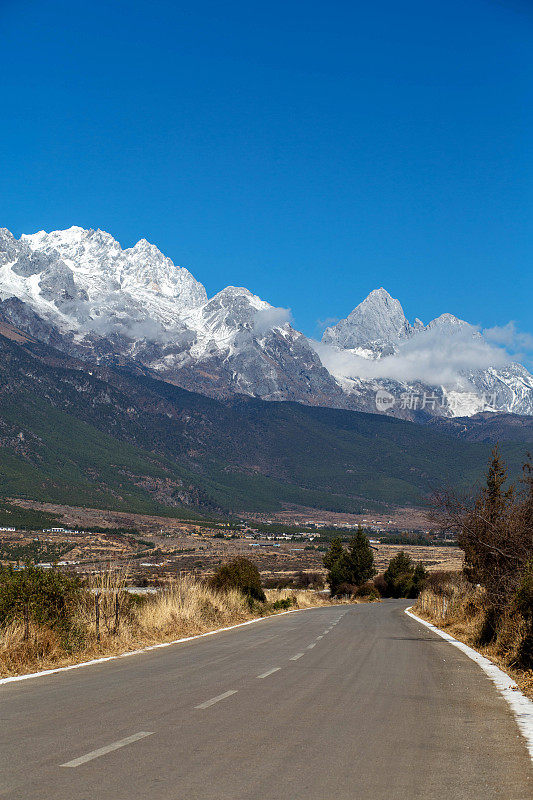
[268, 318]
[432, 356]
[110, 323]
[510, 337]
[325, 323]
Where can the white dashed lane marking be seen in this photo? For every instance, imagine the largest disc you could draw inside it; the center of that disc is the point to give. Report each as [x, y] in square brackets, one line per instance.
[269, 672]
[102, 751]
[217, 699]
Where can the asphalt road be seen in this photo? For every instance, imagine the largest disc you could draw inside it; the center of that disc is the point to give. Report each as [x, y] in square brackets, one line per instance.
[334, 703]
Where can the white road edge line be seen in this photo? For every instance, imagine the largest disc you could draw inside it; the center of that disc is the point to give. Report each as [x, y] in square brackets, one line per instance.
[216, 699]
[296, 657]
[269, 672]
[102, 751]
[147, 649]
[310, 646]
[521, 706]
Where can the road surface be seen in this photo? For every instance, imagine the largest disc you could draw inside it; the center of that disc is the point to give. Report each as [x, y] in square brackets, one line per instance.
[329, 704]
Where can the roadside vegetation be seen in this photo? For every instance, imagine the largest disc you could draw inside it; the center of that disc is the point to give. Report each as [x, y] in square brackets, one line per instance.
[352, 572]
[490, 605]
[402, 578]
[300, 580]
[242, 574]
[50, 619]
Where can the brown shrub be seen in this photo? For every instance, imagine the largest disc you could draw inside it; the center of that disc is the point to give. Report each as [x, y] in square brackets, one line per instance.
[368, 590]
[380, 583]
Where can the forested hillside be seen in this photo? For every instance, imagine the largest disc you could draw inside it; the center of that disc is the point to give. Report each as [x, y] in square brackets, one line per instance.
[118, 437]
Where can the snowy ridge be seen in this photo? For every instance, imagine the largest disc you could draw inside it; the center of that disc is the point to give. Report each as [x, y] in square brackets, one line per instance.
[135, 303]
[89, 282]
[80, 289]
[376, 347]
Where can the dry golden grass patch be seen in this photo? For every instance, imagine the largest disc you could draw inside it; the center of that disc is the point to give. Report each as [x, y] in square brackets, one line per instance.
[303, 598]
[19, 655]
[185, 608]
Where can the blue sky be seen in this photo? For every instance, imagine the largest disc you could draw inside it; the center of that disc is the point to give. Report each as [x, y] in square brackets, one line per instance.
[309, 151]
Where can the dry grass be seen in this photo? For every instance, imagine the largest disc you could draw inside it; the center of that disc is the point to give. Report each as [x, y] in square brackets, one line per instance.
[187, 607]
[42, 648]
[460, 609]
[303, 598]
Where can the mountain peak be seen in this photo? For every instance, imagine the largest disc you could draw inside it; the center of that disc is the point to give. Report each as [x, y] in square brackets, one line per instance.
[232, 292]
[143, 246]
[237, 302]
[82, 275]
[378, 318]
[76, 230]
[380, 294]
[101, 301]
[448, 321]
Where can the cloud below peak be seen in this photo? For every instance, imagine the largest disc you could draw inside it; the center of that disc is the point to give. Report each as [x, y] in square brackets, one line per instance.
[267, 318]
[434, 357]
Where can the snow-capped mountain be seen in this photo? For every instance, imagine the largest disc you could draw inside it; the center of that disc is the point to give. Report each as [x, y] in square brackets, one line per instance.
[378, 325]
[81, 292]
[373, 326]
[377, 348]
[83, 280]
[107, 302]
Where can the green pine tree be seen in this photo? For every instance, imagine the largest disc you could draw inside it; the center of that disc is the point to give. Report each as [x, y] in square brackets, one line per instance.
[399, 575]
[494, 496]
[361, 558]
[337, 564]
[335, 552]
[419, 579]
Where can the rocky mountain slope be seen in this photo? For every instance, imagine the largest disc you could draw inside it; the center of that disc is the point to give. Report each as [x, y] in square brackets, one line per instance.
[488, 427]
[80, 433]
[79, 291]
[108, 303]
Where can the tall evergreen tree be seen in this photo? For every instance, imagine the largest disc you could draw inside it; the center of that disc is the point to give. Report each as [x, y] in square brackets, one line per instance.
[335, 552]
[361, 558]
[337, 563]
[486, 530]
[495, 531]
[419, 579]
[493, 496]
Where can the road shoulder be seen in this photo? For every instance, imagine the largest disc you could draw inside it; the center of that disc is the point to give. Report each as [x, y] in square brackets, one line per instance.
[520, 705]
